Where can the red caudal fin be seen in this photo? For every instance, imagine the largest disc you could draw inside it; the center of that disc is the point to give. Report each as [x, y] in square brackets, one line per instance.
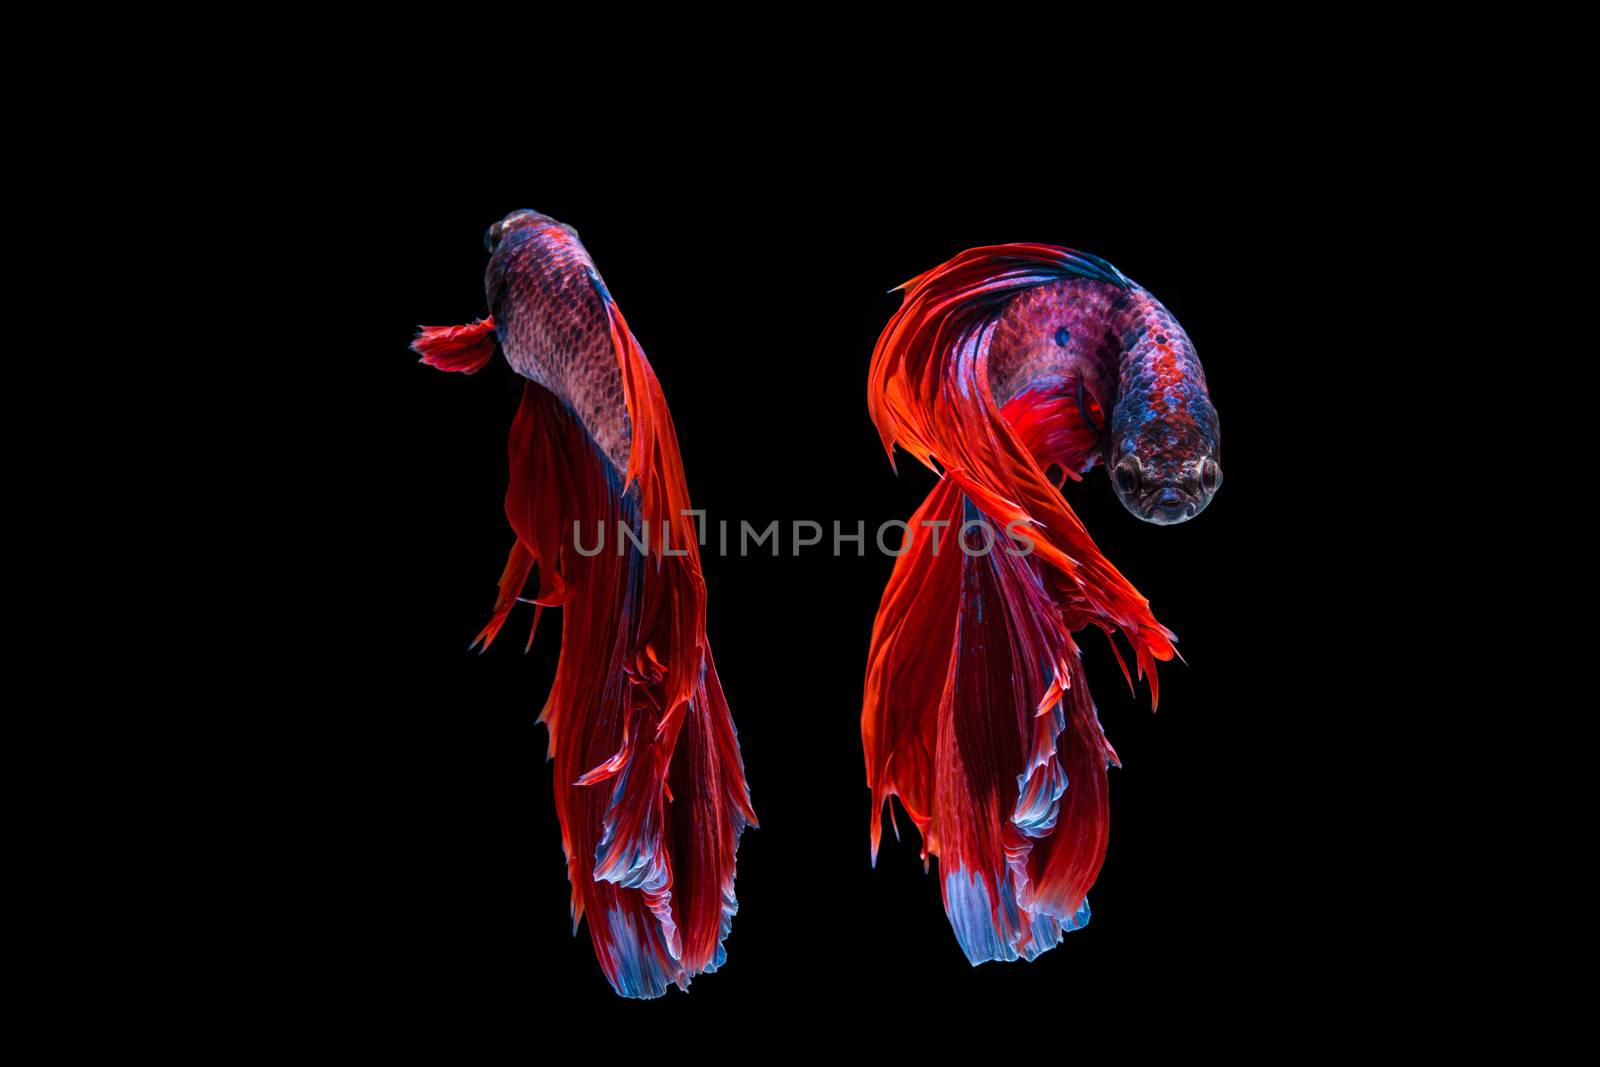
[467, 349]
[1019, 808]
[649, 783]
[912, 641]
[977, 717]
[976, 714]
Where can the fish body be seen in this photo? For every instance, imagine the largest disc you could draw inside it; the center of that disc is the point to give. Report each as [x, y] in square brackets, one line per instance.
[1002, 365]
[649, 780]
[549, 306]
[1132, 359]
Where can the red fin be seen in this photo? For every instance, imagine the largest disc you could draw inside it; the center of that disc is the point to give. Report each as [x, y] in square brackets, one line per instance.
[512, 579]
[1064, 864]
[1014, 750]
[674, 608]
[467, 349]
[1053, 425]
[649, 784]
[911, 642]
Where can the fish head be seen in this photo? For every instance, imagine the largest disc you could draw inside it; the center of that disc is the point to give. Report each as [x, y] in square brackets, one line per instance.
[1165, 461]
[519, 225]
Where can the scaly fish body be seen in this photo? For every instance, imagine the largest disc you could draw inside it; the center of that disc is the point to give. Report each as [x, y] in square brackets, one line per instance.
[549, 309]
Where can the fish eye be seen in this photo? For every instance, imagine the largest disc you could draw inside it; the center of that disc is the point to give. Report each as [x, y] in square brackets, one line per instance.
[1127, 474]
[1210, 475]
[1063, 336]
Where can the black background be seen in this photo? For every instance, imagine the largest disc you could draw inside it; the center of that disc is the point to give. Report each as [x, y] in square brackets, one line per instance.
[757, 284]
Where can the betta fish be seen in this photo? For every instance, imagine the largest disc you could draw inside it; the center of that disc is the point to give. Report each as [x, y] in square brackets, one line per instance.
[649, 782]
[1008, 370]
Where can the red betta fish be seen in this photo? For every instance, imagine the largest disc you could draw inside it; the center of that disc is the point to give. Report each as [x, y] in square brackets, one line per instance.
[1000, 368]
[649, 783]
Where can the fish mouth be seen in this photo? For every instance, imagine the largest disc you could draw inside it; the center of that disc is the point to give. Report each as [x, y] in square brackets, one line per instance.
[1169, 505]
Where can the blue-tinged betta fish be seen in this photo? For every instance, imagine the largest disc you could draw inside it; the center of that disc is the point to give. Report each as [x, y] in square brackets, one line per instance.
[649, 784]
[1000, 367]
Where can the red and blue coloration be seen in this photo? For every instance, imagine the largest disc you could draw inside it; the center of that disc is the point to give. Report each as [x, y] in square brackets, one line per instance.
[649, 783]
[998, 369]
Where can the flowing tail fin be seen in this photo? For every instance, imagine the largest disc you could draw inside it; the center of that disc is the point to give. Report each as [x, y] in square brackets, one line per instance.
[976, 713]
[649, 782]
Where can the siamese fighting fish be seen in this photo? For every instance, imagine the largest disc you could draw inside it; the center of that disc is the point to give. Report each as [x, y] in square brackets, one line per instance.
[649, 783]
[1008, 370]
